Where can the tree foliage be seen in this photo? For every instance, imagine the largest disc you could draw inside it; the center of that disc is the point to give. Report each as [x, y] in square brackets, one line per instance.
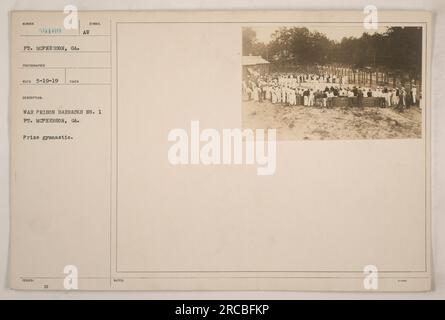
[399, 48]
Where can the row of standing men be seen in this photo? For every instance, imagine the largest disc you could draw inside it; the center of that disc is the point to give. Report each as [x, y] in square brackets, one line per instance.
[285, 89]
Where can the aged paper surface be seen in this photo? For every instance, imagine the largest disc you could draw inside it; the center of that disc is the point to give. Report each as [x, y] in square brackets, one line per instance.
[105, 198]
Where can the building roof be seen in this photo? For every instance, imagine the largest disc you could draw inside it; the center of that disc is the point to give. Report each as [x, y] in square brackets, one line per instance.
[253, 60]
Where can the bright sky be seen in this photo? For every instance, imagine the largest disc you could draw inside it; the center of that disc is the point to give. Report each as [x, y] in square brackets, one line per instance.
[332, 32]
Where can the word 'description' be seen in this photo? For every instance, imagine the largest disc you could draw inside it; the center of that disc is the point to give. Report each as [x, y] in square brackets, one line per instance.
[228, 147]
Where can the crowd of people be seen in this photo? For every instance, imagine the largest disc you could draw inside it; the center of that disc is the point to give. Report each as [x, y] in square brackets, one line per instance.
[321, 90]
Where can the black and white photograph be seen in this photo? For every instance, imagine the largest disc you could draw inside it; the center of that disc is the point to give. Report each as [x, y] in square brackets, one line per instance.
[328, 82]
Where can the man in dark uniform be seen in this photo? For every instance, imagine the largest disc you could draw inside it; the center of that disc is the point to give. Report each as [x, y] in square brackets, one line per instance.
[360, 98]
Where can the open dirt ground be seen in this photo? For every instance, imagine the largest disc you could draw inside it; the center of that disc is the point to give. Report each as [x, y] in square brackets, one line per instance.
[314, 123]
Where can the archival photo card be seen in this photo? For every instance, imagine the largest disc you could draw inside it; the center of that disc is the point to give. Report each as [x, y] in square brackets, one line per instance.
[215, 150]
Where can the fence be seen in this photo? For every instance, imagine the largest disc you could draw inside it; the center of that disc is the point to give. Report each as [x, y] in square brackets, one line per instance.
[361, 77]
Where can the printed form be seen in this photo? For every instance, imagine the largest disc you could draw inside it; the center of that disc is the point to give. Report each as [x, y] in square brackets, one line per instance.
[195, 151]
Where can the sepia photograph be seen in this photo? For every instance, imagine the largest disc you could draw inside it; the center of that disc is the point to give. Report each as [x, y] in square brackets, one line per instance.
[333, 82]
[248, 151]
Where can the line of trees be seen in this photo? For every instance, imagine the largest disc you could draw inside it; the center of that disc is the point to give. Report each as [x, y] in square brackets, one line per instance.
[398, 49]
